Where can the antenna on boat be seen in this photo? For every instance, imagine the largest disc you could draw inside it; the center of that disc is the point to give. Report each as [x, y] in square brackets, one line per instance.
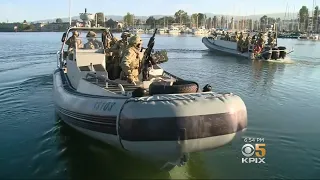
[70, 12]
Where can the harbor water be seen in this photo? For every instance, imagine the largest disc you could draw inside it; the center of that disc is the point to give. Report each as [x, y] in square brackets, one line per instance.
[282, 99]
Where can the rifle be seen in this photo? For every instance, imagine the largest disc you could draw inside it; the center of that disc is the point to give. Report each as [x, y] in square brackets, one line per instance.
[147, 62]
[112, 37]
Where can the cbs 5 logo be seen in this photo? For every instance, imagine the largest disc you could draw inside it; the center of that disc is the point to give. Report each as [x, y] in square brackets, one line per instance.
[259, 150]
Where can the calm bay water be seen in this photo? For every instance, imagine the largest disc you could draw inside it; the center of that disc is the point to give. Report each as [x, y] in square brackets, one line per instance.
[283, 103]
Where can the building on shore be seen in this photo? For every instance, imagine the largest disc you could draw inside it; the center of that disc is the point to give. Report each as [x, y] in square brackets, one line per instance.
[56, 27]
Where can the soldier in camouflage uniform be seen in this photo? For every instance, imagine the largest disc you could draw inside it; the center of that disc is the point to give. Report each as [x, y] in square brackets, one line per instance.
[73, 40]
[117, 51]
[92, 43]
[240, 42]
[131, 60]
[227, 37]
[261, 41]
[271, 41]
[236, 36]
[246, 43]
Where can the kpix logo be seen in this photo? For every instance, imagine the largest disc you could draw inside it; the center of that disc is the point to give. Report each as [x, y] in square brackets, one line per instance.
[259, 150]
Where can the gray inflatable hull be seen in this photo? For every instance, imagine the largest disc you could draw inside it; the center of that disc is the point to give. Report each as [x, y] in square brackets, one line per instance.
[161, 128]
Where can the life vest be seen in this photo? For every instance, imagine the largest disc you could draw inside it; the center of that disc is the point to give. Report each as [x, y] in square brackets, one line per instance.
[257, 49]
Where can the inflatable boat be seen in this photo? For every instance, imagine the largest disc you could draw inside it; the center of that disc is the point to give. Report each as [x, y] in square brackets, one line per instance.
[162, 118]
[229, 47]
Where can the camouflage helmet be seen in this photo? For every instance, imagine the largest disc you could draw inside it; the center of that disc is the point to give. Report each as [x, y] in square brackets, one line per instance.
[75, 33]
[91, 34]
[135, 40]
[125, 34]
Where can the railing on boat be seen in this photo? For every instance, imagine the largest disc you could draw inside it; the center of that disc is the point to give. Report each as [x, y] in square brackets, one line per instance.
[106, 81]
[58, 59]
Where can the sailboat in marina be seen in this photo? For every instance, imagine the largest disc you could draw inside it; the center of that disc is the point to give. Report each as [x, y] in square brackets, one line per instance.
[313, 36]
[163, 30]
[174, 30]
[202, 30]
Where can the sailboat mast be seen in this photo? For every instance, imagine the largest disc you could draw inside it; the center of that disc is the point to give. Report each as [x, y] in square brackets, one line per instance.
[254, 13]
[312, 16]
[317, 19]
[294, 17]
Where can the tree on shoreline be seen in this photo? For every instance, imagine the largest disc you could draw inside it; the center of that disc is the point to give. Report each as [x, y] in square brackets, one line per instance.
[181, 17]
[165, 21]
[316, 18]
[304, 17]
[197, 19]
[151, 21]
[215, 21]
[58, 20]
[111, 23]
[128, 19]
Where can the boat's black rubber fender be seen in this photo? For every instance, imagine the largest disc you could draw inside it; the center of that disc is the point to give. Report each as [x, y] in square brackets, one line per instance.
[282, 52]
[275, 54]
[207, 88]
[139, 92]
[178, 87]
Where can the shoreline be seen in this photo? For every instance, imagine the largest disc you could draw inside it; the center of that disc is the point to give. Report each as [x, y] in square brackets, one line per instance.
[12, 31]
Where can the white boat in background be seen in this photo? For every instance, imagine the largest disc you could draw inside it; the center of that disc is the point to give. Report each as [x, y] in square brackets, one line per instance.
[200, 31]
[150, 31]
[161, 118]
[138, 31]
[186, 30]
[161, 31]
[174, 30]
[303, 37]
[313, 37]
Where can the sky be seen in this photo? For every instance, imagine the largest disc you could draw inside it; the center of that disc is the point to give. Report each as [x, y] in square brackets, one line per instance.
[32, 10]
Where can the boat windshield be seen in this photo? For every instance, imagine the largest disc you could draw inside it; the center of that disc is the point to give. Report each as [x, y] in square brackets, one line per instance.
[89, 38]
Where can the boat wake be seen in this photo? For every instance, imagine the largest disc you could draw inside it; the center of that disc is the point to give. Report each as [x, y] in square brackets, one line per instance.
[183, 50]
[25, 55]
[282, 61]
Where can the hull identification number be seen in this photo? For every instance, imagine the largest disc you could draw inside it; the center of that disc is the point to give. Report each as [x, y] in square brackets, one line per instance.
[104, 106]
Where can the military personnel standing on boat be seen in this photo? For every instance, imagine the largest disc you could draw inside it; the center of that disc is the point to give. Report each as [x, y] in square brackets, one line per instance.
[227, 37]
[73, 41]
[106, 41]
[253, 40]
[241, 36]
[261, 41]
[92, 42]
[107, 47]
[240, 43]
[271, 40]
[246, 43]
[117, 51]
[236, 36]
[131, 60]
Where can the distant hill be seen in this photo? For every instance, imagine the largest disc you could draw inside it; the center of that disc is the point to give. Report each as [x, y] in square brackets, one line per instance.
[119, 18]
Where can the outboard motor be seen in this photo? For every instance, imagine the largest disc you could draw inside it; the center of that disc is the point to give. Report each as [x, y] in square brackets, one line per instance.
[267, 53]
[275, 53]
[282, 52]
[207, 88]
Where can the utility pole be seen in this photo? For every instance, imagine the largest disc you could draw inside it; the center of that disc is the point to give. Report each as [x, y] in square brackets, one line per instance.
[70, 12]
